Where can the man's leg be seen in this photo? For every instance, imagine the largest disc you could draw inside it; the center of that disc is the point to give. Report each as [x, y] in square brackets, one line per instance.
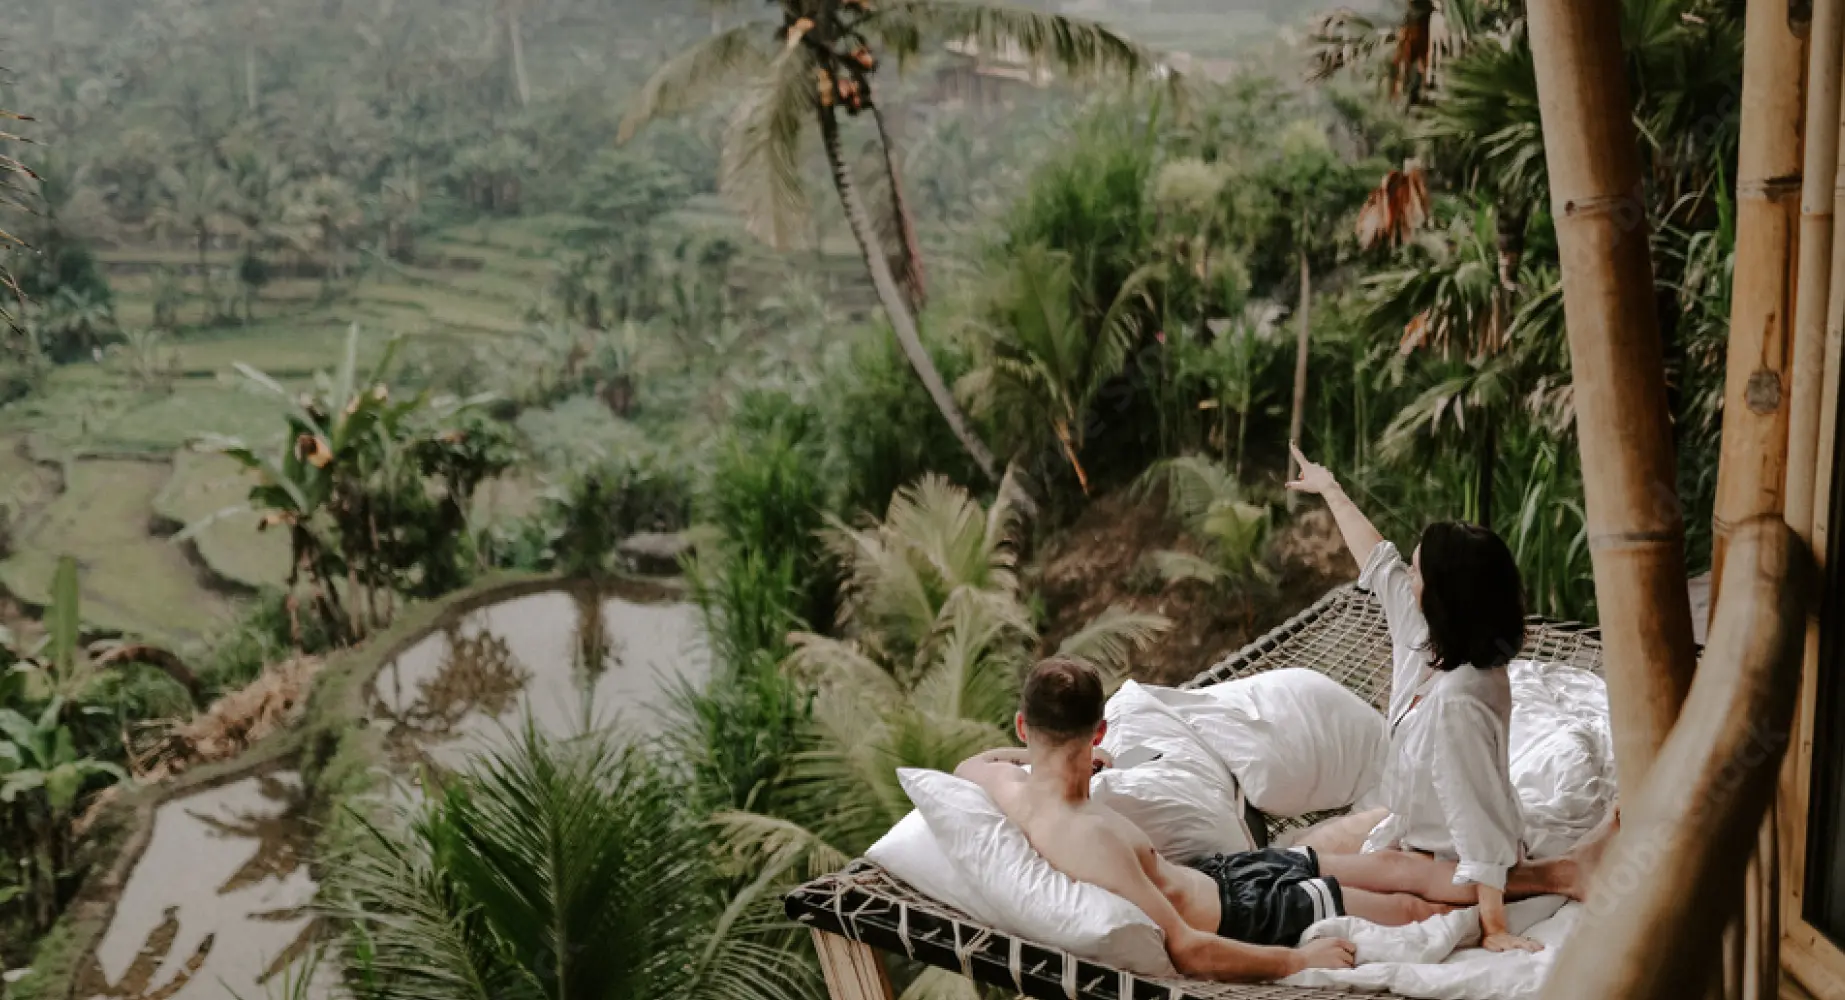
[1390, 909]
[1339, 835]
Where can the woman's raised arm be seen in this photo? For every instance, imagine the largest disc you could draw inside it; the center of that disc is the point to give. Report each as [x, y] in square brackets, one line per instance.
[1360, 536]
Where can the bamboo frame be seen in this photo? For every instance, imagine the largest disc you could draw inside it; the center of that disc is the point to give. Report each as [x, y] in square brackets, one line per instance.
[1752, 469]
[1812, 422]
[1649, 927]
[1635, 524]
[852, 969]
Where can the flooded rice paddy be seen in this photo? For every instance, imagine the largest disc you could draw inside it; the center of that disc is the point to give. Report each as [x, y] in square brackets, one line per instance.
[218, 905]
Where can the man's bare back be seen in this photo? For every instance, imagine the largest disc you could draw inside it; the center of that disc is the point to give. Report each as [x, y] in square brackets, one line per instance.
[1091, 843]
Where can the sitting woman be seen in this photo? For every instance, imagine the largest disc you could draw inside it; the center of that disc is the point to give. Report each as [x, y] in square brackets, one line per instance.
[1456, 616]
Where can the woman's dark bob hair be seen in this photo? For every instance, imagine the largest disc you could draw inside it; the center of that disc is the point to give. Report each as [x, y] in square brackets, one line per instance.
[1471, 597]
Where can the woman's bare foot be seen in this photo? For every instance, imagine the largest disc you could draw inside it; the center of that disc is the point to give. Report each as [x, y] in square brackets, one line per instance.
[1579, 865]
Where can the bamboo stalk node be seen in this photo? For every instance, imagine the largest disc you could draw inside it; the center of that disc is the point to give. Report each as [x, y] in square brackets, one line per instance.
[1771, 189]
[1763, 391]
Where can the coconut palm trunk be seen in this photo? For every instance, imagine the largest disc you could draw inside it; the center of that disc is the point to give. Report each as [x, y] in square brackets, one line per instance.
[249, 76]
[1635, 525]
[1299, 415]
[517, 44]
[911, 275]
[891, 296]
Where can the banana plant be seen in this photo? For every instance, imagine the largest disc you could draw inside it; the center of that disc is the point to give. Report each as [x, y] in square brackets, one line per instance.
[315, 483]
[49, 668]
[41, 779]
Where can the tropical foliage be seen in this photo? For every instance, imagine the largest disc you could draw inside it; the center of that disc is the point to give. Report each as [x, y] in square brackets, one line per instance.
[559, 869]
[374, 490]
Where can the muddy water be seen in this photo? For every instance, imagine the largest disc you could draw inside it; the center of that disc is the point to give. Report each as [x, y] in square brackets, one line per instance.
[215, 906]
[573, 662]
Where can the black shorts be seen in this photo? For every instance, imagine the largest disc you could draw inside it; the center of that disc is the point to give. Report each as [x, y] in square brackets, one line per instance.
[1270, 896]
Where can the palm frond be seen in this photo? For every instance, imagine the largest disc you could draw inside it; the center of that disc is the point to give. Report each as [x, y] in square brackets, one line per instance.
[1176, 567]
[755, 839]
[834, 663]
[696, 75]
[1110, 639]
[1078, 48]
[760, 170]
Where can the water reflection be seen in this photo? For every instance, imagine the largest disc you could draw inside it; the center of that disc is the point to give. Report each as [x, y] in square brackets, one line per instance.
[573, 659]
[217, 904]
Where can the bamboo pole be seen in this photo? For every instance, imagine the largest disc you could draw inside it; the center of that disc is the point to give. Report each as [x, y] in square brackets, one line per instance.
[1651, 924]
[1635, 524]
[1819, 317]
[1752, 466]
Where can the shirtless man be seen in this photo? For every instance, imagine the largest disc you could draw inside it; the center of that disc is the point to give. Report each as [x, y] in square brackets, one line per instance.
[1230, 918]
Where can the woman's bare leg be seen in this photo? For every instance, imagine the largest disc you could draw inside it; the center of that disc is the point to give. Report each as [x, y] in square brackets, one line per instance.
[1400, 871]
[1391, 909]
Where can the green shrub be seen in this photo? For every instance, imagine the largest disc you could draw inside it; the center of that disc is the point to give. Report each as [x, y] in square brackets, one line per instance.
[882, 428]
[767, 498]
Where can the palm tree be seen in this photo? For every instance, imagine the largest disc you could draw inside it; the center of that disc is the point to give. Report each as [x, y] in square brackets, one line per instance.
[940, 637]
[1045, 356]
[515, 50]
[15, 178]
[1313, 189]
[322, 212]
[1447, 299]
[194, 202]
[259, 186]
[557, 870]
[820, 61]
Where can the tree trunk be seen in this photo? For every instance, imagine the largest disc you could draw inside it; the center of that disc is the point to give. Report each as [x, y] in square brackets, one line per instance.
[1509, 240]
[204, 241]
[896, 308]
[1488, 459]
[909, 255]
[249, 76]
[1635, 524]
[1299, 414]
[520, 86]
[1753, 461]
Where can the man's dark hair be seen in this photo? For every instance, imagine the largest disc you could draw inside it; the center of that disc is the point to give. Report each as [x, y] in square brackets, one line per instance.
[1062, 700]
[1471, 597]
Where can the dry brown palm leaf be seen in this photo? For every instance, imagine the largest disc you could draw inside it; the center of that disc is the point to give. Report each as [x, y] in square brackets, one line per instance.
[1396, 208]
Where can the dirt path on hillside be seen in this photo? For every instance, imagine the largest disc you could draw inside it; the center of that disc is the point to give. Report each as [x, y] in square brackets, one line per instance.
[1098, 562]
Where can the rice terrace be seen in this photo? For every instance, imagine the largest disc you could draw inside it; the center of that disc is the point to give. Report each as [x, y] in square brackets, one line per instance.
[921, 499]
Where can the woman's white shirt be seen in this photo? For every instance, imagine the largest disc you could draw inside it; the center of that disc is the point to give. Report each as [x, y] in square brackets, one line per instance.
[1447, 782]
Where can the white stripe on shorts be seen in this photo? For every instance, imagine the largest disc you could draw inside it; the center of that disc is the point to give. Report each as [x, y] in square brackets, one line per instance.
[1323, 906]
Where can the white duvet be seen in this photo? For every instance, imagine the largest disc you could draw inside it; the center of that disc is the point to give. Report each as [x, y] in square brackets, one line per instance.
[1563, 766]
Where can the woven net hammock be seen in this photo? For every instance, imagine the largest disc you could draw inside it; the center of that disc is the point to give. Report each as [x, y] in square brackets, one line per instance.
[1343, 635]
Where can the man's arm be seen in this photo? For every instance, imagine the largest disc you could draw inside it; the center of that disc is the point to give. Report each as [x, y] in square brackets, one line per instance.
[981, 762]
[1016, 757]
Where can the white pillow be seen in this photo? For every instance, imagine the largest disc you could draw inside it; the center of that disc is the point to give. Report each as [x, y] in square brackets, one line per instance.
[909, 851]
[1139, 718]
[1188, 808]
[1296, 740]
[1010, 887]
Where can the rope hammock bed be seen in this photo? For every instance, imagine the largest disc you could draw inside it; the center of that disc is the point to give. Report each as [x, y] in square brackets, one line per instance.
[1343, 635]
